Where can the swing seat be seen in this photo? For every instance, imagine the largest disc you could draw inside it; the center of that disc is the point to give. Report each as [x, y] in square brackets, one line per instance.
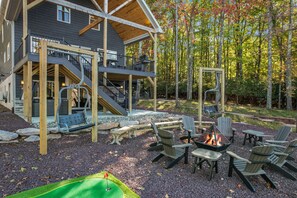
[211, 109]
[73, 122]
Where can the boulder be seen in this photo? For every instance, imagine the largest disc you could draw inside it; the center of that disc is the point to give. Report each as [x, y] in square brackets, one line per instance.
[107, 126]
[32, 138]
[7, 136]
[9, 142]
[53, 136]
[28, 131]
[128, 123]
[52, 130]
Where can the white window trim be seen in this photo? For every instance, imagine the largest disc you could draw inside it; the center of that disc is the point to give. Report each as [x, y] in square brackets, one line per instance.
[94, 28]
[58, 15]
[2, 31]
[8, 51]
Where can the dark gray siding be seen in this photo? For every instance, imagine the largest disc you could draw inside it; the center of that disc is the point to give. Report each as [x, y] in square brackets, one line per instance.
[5, 67]
[43, 21]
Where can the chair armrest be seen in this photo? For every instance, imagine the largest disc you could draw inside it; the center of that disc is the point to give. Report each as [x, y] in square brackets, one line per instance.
[233, 129]
[276, 142]
[238, 157]
[195, 135]
[275, 145]
[182, 145]
[280, 153]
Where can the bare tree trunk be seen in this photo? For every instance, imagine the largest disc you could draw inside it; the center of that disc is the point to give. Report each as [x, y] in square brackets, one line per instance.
[269, 77]
[176, 55]
[190, 62]
[259, 58]
[289, 62]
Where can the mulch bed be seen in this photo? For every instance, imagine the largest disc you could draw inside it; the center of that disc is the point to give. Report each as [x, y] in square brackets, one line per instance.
[22, 168]
[10, 121]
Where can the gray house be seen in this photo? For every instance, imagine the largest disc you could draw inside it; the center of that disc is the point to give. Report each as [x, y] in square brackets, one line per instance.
[104, 26]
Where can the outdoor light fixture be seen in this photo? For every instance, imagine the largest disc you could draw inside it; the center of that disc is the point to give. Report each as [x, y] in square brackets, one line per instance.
[63, 84]
[22, 82]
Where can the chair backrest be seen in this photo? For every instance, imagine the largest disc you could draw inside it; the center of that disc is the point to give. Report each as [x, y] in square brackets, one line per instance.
[73, 119]
[225, 126]
[155, 129]
[258, 157]
[189, 124]
[167, 140]
[282, 133]
[279, 159]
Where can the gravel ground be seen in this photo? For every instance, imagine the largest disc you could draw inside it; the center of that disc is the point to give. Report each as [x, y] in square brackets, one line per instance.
[22, 168]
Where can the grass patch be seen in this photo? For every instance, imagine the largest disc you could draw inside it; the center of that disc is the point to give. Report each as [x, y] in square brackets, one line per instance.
[191, 108]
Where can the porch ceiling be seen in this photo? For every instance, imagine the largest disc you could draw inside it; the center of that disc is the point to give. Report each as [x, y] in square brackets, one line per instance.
[135, 11]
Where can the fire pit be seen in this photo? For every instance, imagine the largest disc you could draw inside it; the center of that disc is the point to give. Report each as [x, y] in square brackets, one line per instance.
[213, 140]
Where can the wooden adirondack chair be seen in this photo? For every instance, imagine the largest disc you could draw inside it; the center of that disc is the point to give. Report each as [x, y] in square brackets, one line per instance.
[281, 135]
[156, 146]
[172, 150]
[225, 127]
[279, 160]
[189, 127]
[252, 166]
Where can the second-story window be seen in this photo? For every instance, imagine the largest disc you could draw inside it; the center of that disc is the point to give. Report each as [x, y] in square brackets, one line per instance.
[91, 20]
[63, 14]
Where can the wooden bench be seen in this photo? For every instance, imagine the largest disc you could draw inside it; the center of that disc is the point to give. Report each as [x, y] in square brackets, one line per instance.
[73, 122]
[118, 134]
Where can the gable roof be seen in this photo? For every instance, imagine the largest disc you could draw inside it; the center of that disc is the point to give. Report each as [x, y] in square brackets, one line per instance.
[135, 11]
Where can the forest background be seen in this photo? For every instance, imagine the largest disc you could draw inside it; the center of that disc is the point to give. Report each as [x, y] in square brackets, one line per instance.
[253, 40]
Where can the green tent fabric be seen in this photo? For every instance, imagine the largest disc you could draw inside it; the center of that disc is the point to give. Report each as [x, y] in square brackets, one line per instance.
[87, 186]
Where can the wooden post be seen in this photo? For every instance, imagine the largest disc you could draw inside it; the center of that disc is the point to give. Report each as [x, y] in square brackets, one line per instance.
[200, 96]
[29, 92]
[155, 70]
[105, 45]
[130, 93]
[25, 85]
[57, 86]
[69, 95]
[223, 92]
[25, 25]
[95, 97]
[43, 96]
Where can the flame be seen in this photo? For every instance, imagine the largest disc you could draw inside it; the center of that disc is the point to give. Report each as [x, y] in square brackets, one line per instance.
[213, 139]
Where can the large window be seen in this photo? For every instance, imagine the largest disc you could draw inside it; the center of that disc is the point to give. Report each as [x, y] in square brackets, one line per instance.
[63, 14]
[91, 20]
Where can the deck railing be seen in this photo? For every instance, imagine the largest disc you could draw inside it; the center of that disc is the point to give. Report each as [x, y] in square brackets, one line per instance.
[114, 60]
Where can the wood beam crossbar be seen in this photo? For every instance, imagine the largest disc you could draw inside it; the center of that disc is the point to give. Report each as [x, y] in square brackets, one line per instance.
[101, 15]
[90, 26]
[97, 5]
[151, 81]
[120, 7]
[34, 3]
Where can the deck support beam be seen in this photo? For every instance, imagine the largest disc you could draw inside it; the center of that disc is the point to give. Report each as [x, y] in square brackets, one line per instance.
[95, 97]
[69, 95]
[25, 25]
[57, 90]
[43, 96]
[155, 69]
[130, 93]
[105, 46]
[29, 92]
[25, 80]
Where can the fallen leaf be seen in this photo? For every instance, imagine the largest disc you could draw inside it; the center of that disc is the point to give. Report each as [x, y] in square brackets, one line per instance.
[160, 174]
[23, 169]
[34, 168]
